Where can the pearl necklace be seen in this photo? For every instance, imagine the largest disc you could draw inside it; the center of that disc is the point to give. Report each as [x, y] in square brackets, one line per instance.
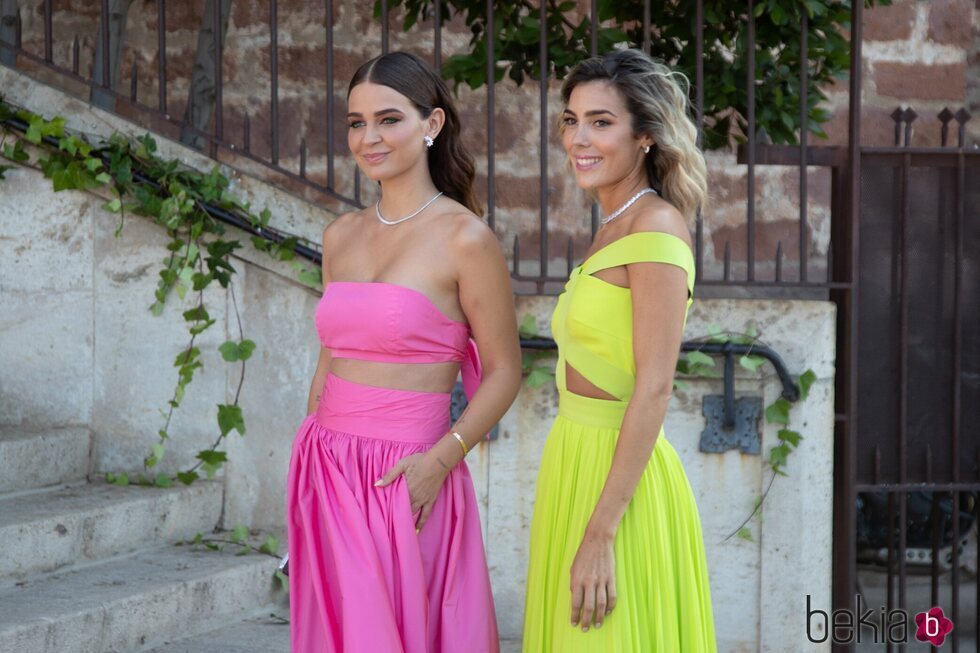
[615, 214]
[377, 210]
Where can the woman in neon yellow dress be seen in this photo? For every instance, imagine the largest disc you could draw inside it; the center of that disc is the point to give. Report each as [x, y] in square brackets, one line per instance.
[617, 559]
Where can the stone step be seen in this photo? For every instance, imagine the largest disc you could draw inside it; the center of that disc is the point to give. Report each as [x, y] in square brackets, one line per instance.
[42, 531]
[31, 460]
[135, 603]
[265, 634]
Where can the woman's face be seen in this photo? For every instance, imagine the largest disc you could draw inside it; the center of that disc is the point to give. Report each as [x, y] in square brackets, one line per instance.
[597, 133]
[385, 131]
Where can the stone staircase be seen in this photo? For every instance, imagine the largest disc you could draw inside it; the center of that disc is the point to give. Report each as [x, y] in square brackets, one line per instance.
[91, 568]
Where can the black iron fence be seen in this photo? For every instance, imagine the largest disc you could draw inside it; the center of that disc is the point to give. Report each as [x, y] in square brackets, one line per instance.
[189, 100]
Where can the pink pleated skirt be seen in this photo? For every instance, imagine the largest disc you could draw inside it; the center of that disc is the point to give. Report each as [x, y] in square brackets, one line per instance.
[360, 578]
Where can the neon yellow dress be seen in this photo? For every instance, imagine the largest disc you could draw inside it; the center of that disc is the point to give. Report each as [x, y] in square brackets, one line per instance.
[664, 603]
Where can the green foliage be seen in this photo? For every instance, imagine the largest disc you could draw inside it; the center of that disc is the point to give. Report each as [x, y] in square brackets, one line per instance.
[198, 254]
[699, 364]
[537, 374]
[568, 32]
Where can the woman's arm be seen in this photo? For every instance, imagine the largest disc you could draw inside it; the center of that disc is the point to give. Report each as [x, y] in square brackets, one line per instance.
[659, 296]
[487, 299]
[323, 362]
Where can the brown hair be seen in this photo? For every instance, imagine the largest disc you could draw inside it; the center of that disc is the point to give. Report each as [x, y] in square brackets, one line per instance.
[657, 99]
[450, 164]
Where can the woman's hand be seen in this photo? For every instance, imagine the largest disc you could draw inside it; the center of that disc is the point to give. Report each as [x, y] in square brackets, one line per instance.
[424, 476]
[593, 580]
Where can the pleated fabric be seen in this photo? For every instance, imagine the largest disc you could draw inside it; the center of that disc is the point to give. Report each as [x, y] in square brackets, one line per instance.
[361, 578]
[664, 602]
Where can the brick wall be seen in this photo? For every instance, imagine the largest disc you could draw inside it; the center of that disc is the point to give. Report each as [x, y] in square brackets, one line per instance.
[920, 54]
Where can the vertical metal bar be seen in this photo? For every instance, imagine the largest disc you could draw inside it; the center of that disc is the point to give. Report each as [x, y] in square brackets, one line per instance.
[247, 133]
[107, 53]
[330, 95]
[384, 26]
[162, 55]
[646, 26]
[593, 23]
[274, 70]
[699, 68]
[845, 468]
[543, 146]
[133, 83]
[437, 33]
[728, 261]
[804, 134]
[957, 394]
[890, 539]
[49, 39]
[903, 414]
[935, 571]
[74, 55]
[302, 158]
[750, 191]
[779, 261]
[955, 576]
[218, 77]
[491, 119]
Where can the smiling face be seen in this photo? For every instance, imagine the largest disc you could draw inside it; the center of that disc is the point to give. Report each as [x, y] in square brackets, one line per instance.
[385, 131]
[597, 133]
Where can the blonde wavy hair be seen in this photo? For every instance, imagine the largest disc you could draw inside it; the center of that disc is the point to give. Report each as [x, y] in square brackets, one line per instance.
[657, 99]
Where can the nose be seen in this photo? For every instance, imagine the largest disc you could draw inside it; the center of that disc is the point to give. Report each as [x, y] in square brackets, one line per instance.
[580, 136]
[371, 134]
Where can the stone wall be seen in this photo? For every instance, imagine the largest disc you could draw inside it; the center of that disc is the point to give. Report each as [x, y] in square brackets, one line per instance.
[915, 53]
[78, 346]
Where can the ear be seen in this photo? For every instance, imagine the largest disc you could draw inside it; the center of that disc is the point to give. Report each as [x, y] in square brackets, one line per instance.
[647, 141]
[435, 122]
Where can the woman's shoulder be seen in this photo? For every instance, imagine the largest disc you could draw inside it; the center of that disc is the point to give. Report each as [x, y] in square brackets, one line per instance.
[659, 215]
[340, 228]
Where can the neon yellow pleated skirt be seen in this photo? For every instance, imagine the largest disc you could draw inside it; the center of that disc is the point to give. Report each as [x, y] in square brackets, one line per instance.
[664, 602]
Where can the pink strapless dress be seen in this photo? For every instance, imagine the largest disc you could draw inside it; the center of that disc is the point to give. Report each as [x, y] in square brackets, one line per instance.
[360, 578]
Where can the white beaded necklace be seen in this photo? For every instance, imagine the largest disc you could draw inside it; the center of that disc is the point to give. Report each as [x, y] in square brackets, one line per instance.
[615, 214]
[377, 210]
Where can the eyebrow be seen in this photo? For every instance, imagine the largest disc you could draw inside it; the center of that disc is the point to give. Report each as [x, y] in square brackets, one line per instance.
[376, 113]
[594, 112]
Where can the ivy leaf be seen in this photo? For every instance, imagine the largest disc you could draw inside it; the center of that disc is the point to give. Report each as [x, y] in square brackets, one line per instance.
[239, 534]
[528, 327]
[114, 206]
[229, 351]
[245, 349]
[790, 437]
[122, 480]
[163, 480]
[187, 477]
[700, 358]
[211, 457]
[751, 363]
[681, 385]
[230, 417]
[778, 412]
[745, 533]
[271, 545]
[806, 380]
[283, 579]
[539, 376]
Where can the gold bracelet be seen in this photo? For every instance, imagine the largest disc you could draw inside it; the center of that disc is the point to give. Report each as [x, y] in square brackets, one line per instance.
[461, 443]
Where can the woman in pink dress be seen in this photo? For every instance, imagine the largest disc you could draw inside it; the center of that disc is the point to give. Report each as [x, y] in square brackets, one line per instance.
[385, 547]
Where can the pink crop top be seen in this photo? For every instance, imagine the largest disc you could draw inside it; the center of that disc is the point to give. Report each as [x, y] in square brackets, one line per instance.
[388, 323]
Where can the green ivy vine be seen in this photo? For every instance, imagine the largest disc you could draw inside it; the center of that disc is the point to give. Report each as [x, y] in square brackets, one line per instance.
[137, 181]
[240, 538]
[698, 364]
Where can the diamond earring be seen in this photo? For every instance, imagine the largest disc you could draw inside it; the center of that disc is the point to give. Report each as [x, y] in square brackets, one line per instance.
[428, 140]
[646, 149]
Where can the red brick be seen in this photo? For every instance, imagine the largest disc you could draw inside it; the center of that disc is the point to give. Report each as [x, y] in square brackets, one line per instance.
[767, 236]
[950, 22]
[890, 23]
[908, 82]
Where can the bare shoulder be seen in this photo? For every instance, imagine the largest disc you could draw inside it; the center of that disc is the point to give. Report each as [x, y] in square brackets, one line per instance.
[470, 235]
[337, 230]
[660, 215]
